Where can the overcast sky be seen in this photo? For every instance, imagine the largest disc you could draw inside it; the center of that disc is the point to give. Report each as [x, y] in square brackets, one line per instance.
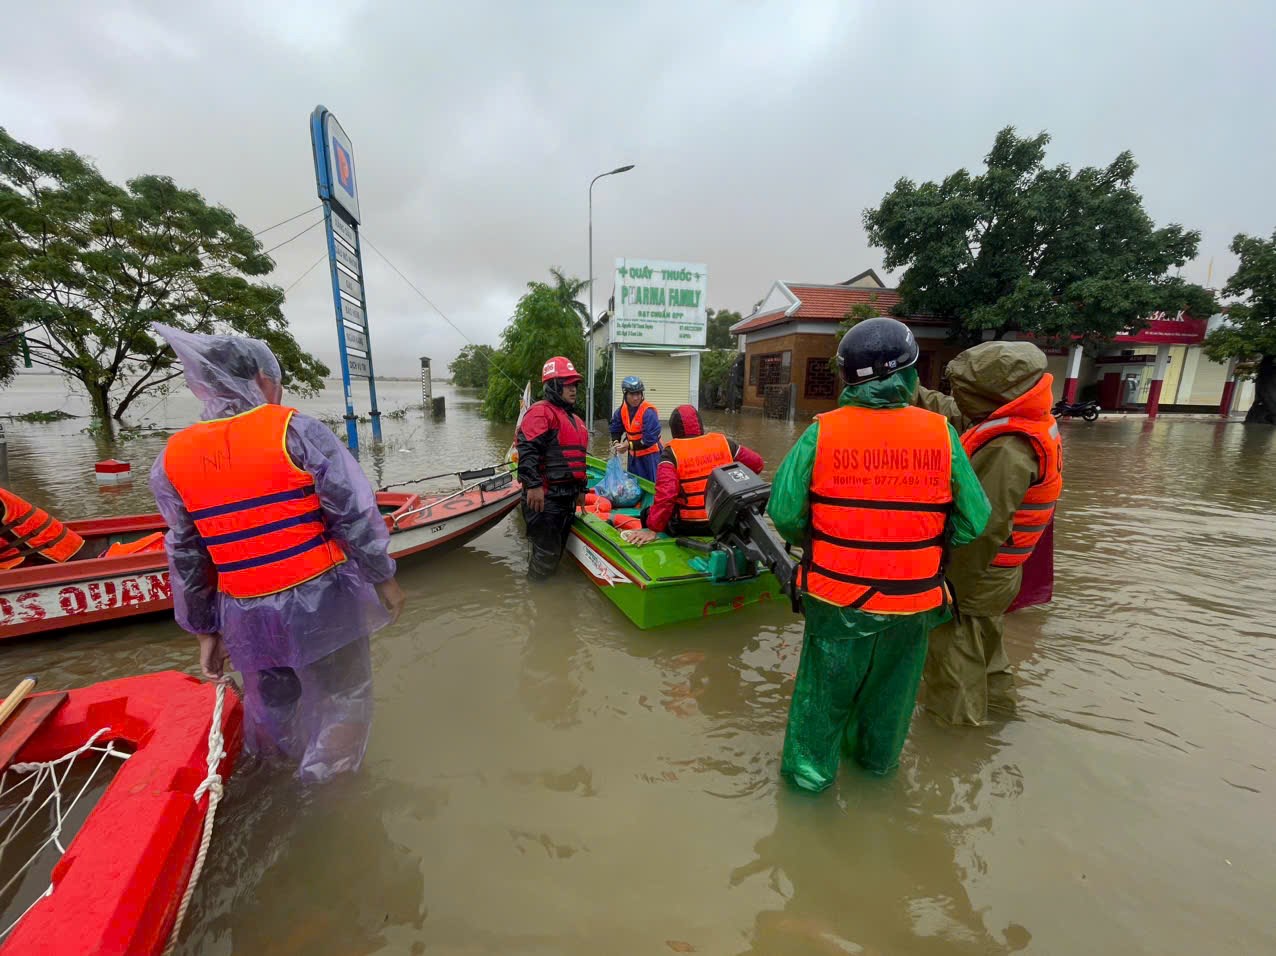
[760, 130]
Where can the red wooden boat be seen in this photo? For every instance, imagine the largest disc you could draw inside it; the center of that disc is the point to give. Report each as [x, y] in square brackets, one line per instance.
[96, 587]
[120, 884]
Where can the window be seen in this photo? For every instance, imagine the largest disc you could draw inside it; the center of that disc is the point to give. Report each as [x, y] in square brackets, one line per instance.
[754, 362]
[773, 371]
[821, 380]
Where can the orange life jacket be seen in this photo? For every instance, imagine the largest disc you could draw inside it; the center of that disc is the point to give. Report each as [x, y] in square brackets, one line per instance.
[254, 509]
[145, 545]
[695, 459]
[1028, 416]
[633, 428]
[881, 493]
[28, 530]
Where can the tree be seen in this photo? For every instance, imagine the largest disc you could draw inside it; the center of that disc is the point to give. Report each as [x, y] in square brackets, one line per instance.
[1027, 248]
[10, 336]
[719, 324]
[1250, 332]
[471, 366]
[567, 289]
[854, 315]
[543, 326]
[92, 265]
[715, 374]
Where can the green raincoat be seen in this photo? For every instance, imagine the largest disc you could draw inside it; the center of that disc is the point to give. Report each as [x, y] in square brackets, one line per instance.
[967, 669]
[857, 679]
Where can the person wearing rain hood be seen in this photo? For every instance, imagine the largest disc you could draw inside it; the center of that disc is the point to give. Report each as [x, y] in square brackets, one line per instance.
[1001, 398]
[874, 492]
[277, 556]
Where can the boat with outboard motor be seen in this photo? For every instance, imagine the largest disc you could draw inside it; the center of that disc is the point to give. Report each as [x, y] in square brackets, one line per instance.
[681, 579]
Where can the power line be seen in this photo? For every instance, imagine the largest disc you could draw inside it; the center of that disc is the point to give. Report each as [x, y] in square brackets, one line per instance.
[290, 239]
[284, 222]
[275, 302]
[426, 298]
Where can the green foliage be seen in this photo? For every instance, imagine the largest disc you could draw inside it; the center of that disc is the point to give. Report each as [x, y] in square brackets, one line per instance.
[718, 335]
[602, 384]
[544, 325]
[10, 336]
[88, 266]
[715, 375]
[568, 290]
[855, 314]
[40, 418]
[471, 367]
[1251, 328]
[1027, 248]
[1250, 332]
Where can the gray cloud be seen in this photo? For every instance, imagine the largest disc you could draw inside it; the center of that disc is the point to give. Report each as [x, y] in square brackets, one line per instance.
[760, 130]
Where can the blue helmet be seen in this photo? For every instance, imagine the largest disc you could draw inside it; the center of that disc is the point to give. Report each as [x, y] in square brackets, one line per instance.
[631, 383]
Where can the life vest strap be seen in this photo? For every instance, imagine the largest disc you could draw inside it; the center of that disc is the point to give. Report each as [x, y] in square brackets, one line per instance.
[1038, 506]
[1011, 549]
[836, 501]
[21, 542]
[243, 535]
[936, 542]
[318, 540]
[901, 588]
[248, 503]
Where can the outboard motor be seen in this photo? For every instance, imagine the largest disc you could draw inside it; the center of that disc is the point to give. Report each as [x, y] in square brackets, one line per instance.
[736, 499]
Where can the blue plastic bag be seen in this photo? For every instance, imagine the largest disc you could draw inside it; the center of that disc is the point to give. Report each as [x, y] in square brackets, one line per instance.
[618, 486]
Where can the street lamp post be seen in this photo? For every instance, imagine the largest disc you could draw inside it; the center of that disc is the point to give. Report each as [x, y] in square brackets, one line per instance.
[589, 326]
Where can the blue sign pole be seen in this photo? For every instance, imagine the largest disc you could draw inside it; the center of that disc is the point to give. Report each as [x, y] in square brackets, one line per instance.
[338, 191]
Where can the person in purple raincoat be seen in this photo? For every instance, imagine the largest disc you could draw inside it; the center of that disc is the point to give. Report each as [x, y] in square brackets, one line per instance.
[303, 652]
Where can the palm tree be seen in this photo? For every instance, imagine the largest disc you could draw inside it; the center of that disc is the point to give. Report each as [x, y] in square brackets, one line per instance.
[567, 289]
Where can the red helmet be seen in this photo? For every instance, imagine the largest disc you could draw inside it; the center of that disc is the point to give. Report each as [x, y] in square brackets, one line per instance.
[562, 368]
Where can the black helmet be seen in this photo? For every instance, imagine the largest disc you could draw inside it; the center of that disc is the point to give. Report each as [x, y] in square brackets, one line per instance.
[876, 349]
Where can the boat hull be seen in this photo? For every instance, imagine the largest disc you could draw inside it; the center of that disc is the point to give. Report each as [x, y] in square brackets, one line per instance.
[55, 597]
[656, 585]
[119, 884]
[651, 603]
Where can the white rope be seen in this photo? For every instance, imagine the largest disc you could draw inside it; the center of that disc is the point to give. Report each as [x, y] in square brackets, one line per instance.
[212, 785]
[36, 775]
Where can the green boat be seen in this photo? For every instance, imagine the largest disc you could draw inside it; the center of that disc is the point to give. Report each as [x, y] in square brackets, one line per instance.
[662, 582]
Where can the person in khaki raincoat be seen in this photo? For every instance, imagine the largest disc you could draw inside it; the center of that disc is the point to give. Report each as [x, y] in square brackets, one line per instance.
[967, 670]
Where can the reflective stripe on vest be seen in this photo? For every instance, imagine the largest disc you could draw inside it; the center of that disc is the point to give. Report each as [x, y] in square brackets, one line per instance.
[694, 459]
[264, 542]
[881, 492]
[633, 428]
[26, 530]
[1029, 417]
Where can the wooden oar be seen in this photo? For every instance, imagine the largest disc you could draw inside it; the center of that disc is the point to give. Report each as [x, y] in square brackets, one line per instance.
[16, 696]
[28, 717]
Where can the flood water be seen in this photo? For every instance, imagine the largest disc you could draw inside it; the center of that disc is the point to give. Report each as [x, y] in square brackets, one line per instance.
[545, 779]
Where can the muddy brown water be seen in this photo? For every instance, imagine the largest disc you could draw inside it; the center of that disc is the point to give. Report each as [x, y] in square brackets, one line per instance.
[545, 779]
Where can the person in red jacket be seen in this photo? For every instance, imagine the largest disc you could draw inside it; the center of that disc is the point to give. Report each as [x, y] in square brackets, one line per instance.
[683, 474]
[551, 445]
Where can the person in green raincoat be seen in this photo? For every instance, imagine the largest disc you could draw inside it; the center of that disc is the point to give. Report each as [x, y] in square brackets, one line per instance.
[1001, 399]
[874, 492]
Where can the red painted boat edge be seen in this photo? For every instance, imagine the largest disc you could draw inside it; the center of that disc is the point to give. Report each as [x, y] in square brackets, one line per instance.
[20, 585]
[118, 887]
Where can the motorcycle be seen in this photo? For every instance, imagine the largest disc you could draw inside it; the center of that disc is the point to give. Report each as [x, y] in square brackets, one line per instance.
[1089, 411]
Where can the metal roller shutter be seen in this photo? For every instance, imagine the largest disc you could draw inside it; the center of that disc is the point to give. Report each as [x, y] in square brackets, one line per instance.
[666, 379]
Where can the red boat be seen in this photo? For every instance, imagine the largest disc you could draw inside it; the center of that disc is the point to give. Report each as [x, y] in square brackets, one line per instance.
[119, 886]
[100, 587]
